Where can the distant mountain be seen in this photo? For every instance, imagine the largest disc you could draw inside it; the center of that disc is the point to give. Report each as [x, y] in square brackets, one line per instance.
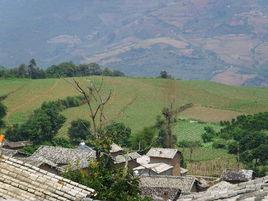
[220, 40]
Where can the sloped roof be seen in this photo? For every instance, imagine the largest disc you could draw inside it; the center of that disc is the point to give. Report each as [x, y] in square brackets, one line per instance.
[240, 175]
[162, 153]
[22, 181]
[8, 152]
[38, 161]
[143, 160]
[185, 184]
[127, 157]
[252, 190]
[60, 155]
[115, 148]
[156, 167]
[18, 144]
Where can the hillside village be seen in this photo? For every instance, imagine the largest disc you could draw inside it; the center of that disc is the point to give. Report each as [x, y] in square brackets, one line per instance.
[38, 176]
[145, 100]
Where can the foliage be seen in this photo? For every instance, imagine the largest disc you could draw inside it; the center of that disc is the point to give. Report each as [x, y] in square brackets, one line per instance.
[111, 183]
[65, 69]
[3, 111]
[79, 131]
[246, 136]
[164, 74]
[145, 139]
[42, 125]
[119, 133]
[209, 134]
[189, 144]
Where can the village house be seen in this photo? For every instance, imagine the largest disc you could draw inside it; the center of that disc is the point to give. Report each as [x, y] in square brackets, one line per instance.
[171, 157]
[167, 187]
[63, 158]
[152, 169]
[21, 181]
[237, 176]
[116, 150]
[130, 159]
[256, 189]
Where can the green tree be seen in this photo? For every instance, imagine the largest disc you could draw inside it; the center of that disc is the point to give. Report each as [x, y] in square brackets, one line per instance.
[209, 134]
[145, 139]
[79, 131]
[119, 133]
[3, 111]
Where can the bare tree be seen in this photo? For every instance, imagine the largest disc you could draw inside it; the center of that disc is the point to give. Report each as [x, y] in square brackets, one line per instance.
[96, 101]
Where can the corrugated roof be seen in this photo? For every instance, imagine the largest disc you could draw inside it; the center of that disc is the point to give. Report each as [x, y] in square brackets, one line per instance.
[22, 181]
[162, 152]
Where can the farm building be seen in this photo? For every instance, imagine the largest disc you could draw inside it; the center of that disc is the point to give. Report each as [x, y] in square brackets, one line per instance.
[167, 187]
[22, 181]
[171, 157]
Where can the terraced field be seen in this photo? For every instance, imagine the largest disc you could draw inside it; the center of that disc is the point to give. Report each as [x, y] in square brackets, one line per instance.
[137, 101]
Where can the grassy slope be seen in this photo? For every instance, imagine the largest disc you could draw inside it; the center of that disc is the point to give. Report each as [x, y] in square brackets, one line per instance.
[136, 101]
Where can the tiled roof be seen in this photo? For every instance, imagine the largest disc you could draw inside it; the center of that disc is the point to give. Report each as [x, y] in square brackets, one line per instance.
[14, 145]
[252, 190]
[162, 152]
[22, 181]
[185, 184]
[60, 155]
[8, 152]
[38, 161]
[127, 157]
[241, 175]
[156, 167]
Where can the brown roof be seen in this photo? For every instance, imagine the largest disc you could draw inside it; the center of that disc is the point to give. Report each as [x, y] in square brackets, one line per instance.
[22, 181]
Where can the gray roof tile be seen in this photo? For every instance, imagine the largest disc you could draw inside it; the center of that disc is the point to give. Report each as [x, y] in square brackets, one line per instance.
[22, 181]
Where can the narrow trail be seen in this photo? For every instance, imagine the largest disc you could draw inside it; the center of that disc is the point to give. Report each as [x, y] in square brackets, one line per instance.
[33, 98]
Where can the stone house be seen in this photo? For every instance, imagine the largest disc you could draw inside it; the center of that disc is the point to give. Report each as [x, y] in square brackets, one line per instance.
[168, 156]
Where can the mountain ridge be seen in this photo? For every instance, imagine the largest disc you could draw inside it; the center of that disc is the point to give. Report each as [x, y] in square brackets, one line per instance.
[224, 41]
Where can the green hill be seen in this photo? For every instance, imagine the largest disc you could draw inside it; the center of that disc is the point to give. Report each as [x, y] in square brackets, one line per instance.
[137, 101]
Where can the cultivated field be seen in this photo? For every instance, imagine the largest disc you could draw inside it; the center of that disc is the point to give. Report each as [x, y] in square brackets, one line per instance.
[137, 101]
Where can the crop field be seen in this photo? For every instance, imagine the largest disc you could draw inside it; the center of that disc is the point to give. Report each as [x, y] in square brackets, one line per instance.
[208, 161]
[192, 130]
[137, 101]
